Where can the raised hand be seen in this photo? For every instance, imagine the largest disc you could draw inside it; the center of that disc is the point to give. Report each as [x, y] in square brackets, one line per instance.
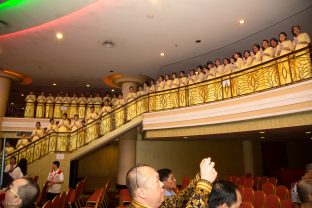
[207, 170]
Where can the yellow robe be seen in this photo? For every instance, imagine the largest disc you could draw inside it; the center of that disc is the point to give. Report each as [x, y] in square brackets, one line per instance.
[90, 102]
[268, 54]
[107, 98]
[168, 95]
[141, 106]
[160, 98]
[239, 64]
[176, 94]
[52, 131]
[66, 104]
[92, 127]
[192, 90]
[131, 106]
[119, 112]
[182, 91]
[57, 107]
[200, 88]
[97, 104]
[257, 59]
[302, 68]
[284, 66]
[74, 126]
[40, 106]
[248, 62]
[152, 98]
[73, 110]
[106, 120]
[63, 135]
[82, 107]
[30, 106]
[37, 134]
[22, 143]
[49, 107]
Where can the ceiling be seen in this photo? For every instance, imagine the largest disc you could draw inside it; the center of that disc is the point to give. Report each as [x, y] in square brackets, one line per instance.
[140, 30]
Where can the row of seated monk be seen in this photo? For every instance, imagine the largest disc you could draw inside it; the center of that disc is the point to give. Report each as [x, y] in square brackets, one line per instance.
[49, 106]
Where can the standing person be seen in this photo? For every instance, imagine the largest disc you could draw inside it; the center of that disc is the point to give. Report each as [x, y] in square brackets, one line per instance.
[82, 106]
[52, 127]
[305, 193]
[20, 170]
[268, 51]
[8, 148]
[55, 181]
[57, 106]
[37, 133]
[66, 103]
[257, 59]
[131, 107]
[238, 61]
[41, 99]
[90, 102]
[10, 167]
[30, 105]
[106, 121]
[74, 125]
[63, 128]
[92, 127]
[49, 106]
[107, 96]
[97, 102]
[274, 44]
[247, 59]
[302, 58]
[22, 142]
[73, 106]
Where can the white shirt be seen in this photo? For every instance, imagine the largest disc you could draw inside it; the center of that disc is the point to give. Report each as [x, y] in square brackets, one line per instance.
[56, 176]
[8, 168]
[16, 173]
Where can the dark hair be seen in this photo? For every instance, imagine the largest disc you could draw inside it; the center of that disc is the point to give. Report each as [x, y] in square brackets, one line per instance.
[51, 119]
[174, 74]
[304, 188]
[76, 115]
[239, 54]
[256, 45]
[38, 123]
[266, 41]
[164, 174]
[292, 29]
[28, 193]
[209, 62]
[282, 33]
[226, 59]
[246, 51]
[57, 163]
[22, 164]
[223, 192]
[217, 60]
[200, 66]
[13, 156]
[183, 72]
[65, 114]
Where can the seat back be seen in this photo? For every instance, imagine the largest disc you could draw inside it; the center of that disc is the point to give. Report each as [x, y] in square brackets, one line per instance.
[124, 197]
[268, 188]
[249, 182]
[273, 180]
[257, 181]
[259, 199]
[42, 195]
[282, 192]
[48, 204]
[56, 202]
[246, 205]
[272, 201]
[62, 199]
[248, 194]
[242, 180]
[234, 179]
[287, 203]
[264, 179]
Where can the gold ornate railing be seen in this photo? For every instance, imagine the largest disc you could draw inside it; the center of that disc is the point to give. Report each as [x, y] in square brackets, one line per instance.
[285, 70]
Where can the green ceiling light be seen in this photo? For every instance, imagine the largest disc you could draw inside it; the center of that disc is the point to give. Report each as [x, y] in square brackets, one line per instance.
[5, 4]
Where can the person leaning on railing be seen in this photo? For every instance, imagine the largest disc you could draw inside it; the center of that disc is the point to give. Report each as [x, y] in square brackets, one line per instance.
[37, 133]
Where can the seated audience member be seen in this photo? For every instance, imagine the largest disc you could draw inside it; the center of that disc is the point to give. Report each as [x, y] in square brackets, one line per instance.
[22, 142]
[305, 192]
[146, 189]
[166, 176]
[22, 193]
[20, 170]
[307, 175]
[8, 148]
[224, 194]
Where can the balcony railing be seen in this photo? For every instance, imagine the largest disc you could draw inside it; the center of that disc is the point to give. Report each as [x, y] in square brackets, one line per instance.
[285, 70]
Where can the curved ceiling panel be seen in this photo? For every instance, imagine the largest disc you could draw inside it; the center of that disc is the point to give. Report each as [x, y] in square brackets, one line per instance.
[17, 15]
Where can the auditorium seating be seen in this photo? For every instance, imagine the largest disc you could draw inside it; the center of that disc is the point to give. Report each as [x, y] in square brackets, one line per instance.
[272, 201]
[268, 188]
[287, 203]
[246, 205]
[248, 194]
[259, 199]
[282, 192]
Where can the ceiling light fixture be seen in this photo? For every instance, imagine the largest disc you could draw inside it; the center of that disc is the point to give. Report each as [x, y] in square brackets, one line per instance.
[162, 54]
[22, 95]
[262, 137]
[198, 41]
[59, 36]
[87, 85]
[113, 90]
[242, 21]
[308, 132]
[54, 84]
[108, 44]
[185, 137]
[261, 132]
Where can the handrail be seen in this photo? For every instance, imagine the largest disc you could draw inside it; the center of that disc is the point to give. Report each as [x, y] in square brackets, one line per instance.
[284, 70]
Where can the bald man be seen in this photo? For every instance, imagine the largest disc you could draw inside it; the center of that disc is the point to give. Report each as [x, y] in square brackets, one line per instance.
[147, 190]
[304, 188]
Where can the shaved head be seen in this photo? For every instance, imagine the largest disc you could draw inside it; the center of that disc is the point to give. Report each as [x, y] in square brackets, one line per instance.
[304, 188]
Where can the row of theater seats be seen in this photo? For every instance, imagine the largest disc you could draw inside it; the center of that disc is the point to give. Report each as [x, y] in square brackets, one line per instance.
[264, 193]
[75, 198]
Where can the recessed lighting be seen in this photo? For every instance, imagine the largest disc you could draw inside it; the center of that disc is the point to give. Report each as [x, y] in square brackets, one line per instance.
[162, 54]
[308, 132]
[261, 132]
[54, 84]
[87, 85]
[59, 35]
[23, 108]
[108, 44]
[12, 103]
[261, 137]
[113, 90]
[111, 71]
[22, 95]
[198, 41]
[185, 137]
[150, 16]
[242, 21]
